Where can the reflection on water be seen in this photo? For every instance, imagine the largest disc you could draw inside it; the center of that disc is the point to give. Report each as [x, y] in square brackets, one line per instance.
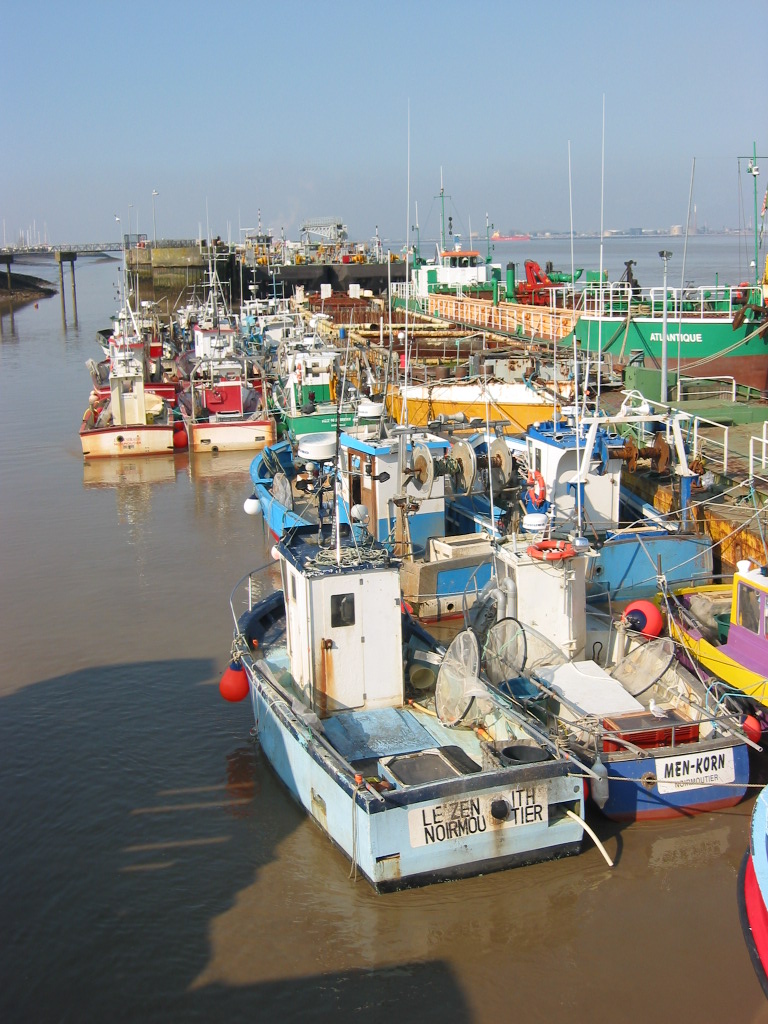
[215, 465]
[691, 850]
[131, 472]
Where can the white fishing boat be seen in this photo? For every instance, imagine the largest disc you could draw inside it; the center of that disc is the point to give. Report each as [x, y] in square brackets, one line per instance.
[397, 749]
[610, 689]
[132, 421]
[224, 408]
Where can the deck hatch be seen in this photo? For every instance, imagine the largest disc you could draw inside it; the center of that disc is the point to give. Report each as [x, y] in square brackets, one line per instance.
[381, 732]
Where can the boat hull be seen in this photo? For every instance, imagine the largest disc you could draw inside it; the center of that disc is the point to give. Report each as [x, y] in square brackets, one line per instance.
[230, 435]
[704, 347]
[518, 404]
[118, 442]
[671, 784]
[626, 567]
[380, 837]
[753, 891]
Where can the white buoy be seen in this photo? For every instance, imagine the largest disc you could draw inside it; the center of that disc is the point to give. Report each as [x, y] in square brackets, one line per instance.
[252, 506]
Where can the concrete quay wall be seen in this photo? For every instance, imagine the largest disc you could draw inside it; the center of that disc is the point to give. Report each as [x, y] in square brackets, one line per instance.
[167, 267]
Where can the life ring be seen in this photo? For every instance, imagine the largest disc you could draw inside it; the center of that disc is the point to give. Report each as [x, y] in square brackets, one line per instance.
[552, 550]
[537, 489]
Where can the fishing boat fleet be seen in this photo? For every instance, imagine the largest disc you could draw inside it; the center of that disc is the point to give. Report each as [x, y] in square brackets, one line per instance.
[564, 663]
[472, 629]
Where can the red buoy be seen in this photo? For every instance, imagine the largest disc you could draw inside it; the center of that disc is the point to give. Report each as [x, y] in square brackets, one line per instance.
[644, 617]
[234, 683]
[751, 727]
[180, 437]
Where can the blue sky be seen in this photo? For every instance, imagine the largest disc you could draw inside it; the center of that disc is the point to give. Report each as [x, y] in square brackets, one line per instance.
[301, 109]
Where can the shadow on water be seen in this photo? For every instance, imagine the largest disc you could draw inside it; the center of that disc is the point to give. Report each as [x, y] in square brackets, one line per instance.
[126, 835]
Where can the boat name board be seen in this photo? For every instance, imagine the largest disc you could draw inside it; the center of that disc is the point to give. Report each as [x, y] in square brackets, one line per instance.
[458, 819]
[690, 770]
[677, 336]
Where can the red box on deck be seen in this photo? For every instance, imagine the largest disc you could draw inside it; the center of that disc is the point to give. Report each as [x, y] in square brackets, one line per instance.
[647, 731]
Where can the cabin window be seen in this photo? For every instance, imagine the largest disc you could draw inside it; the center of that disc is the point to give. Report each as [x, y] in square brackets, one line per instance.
[355, 481]
[749, 608]
[342, 610]
[293, 587]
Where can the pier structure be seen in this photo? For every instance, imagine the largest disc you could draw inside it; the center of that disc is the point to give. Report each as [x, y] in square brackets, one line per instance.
[67, 256]
[7, 259]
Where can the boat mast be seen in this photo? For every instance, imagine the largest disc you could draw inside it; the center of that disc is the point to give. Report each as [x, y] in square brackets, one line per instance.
[576, 369]
[754, 170]
[602, 293]
[682, 276]
[441, 197]
[407, 281]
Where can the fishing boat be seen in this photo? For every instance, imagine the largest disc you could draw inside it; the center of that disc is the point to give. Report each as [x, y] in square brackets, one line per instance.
[131, 421]
[753, 890]
[520, 402]
[442, 500]
[610, 689]
[397, 484]
[311, 393]
[340, 678]
[224, 407]
[723, 629]
[223, 410]
[573, 467]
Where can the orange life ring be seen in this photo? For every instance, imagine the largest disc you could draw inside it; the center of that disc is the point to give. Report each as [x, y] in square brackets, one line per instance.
[552, 550]
[537, 489]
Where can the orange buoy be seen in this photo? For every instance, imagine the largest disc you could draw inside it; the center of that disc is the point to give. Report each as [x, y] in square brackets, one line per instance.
[537, 489]
[552, 550]
[234, 684]
[180, 439]
[644, 617]
[751, 727]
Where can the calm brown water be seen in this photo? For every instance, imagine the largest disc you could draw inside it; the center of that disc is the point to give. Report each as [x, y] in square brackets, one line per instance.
[153, 868]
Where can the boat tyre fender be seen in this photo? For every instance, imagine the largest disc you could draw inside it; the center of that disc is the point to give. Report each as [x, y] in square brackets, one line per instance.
[552, 550]
[537, 489]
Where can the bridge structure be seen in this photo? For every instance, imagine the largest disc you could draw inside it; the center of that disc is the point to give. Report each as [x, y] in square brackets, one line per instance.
[88, 247]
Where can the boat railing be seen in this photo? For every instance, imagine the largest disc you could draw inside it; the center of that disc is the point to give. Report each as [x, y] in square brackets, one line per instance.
[251, 590]
[621, 299]
[758, 451]
[701, 442]
[723, 389]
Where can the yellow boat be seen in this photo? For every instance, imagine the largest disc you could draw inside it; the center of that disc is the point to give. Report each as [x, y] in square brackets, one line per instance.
[724, 628]
[518, 403]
